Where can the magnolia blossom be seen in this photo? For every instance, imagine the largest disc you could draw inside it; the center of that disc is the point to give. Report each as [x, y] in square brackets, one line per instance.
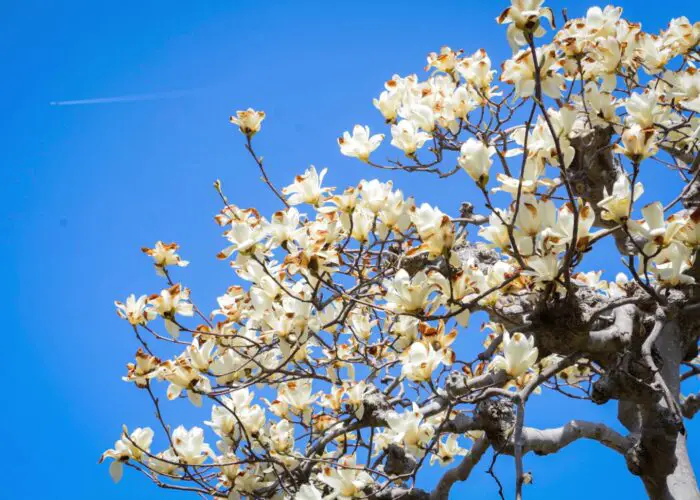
[408, 137]
[183, 377]
[410, 430]
[348, 480]
[523, 17]
[643, 110]
[658, 230]
[520, 72]
[496, 232]
[519, 354]
[543, 268]
[307, 188]
[475, 159]
[444, 61]
[282, 436]
[249, 121]
[637, 143]
[189, 445]
[408, 294]
[360, 144]
[164, 254]
[172, 301]
[355, 394]
[420, 361]
[374, 194]
[128, 447]
[135, 311]
[447, 451]
[434, 228]
[298, 397]
[616, 205]
[670, 264]
[308, 492]
[145, 368]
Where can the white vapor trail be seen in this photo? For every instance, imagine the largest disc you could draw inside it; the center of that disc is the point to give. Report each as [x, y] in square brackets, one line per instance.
[126, 98]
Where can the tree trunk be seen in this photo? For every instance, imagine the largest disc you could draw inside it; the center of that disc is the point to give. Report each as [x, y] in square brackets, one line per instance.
[681, 483]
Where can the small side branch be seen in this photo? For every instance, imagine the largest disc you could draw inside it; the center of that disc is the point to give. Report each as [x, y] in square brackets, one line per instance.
[265, 178]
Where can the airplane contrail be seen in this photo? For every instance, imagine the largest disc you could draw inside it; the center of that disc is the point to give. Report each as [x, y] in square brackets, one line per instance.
[126, 98]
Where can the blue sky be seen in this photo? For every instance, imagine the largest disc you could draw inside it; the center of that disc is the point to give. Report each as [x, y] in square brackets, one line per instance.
[85, 187]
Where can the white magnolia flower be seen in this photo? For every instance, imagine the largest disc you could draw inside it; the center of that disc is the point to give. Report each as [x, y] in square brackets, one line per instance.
[616, 205]
[564, 231]
[164, 254]
[298, 397]
[348, 480]
[496, 232]
[590, 279]
[420, 361]
[408, 137]
[282, 436]
[237, 411]
[519, 71]
[643, 110]
[164, 462]
[200, 353]
[135, 311]
[447, 450]
[475, 159]
[423, 116]
[637, 143]
[145, 368]
[411, 430]
[388, 105]
[519, 352]
[524, 17]
[360, 144]
[444, 61]
[245, 238]
[356, 393]
[396, 212]
[434, 228]
[543, 269]
[476, 70]
[671, 263]
[249, 121]
[283, 226]
[374, 194]
[656, 228]
[172, 301]
[183, 377]
[308, 492]
[406, 294]
[126, 448]
[189, 445]
[307, 188]
[681, 35]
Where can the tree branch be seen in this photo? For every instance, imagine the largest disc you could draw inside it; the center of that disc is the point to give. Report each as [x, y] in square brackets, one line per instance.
[546, 441]
[462, 471]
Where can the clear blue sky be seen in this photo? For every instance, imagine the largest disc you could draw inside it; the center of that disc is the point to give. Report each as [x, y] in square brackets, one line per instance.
[84, 187]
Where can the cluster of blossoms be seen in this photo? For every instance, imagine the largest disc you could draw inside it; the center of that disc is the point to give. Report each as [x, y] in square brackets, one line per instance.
[349, 304]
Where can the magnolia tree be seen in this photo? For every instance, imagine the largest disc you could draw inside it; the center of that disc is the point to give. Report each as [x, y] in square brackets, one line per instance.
[332, 372]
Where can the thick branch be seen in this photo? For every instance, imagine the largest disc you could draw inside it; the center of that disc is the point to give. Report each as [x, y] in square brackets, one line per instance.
[618, 334]
[546, 441]
[462, 471]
